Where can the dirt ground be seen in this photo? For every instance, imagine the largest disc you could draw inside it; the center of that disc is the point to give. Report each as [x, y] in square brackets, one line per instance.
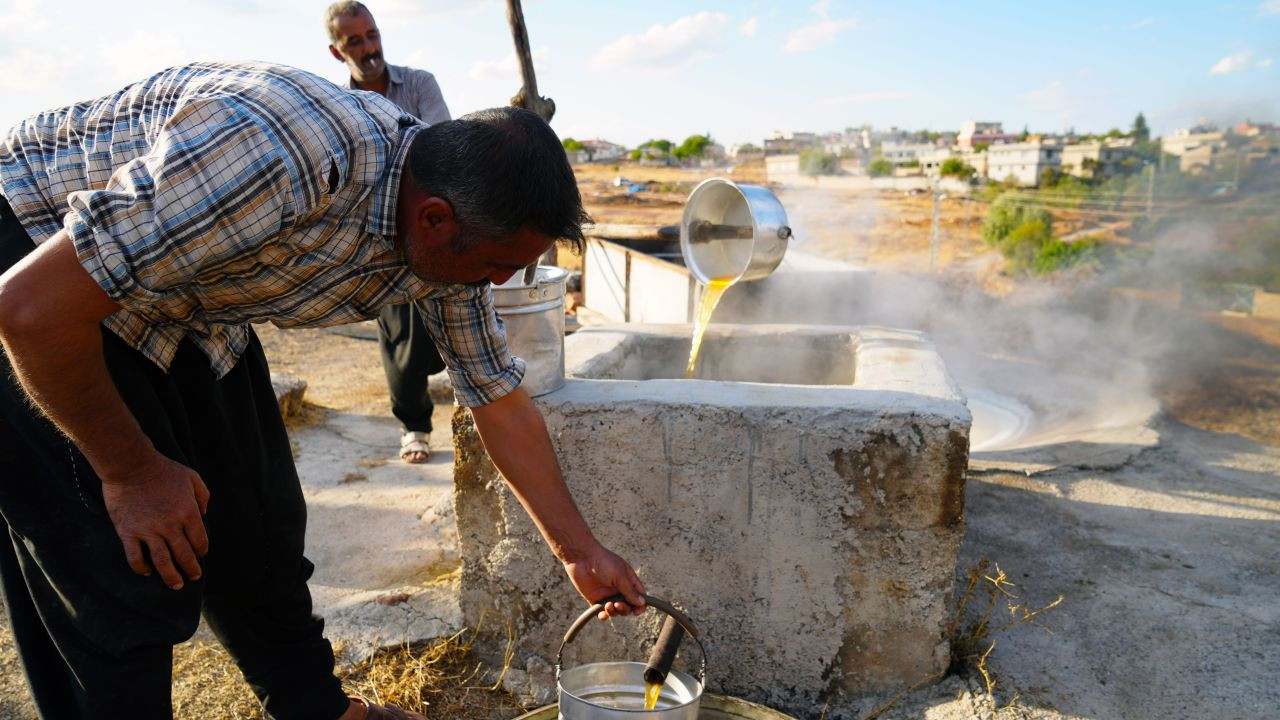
[1164, 562]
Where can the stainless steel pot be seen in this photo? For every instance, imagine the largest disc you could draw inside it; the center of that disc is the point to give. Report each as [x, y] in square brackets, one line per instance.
[732, 232]
[532, 309]
[616, 690]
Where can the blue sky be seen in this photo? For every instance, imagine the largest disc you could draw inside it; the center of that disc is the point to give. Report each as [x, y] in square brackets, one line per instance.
[630, 71]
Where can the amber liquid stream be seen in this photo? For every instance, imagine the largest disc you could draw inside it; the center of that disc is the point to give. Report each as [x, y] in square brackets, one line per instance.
[708, 297]
[651, 692]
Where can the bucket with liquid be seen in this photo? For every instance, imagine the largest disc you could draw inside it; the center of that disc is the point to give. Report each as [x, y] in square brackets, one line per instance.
[732, 232]
[616, 690]
[531, 305]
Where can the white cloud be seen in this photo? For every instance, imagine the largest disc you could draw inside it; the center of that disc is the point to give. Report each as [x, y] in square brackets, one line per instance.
[1263, 63]
[25, 17]
[749, 27]
[665, 47]
[1231, 64]
[1050, 92]
[864, 98]
[139, 55]
[1270, 7]
[432, 13]
[1144, 22]
[818, 34]
[508, 68]
[30, 71]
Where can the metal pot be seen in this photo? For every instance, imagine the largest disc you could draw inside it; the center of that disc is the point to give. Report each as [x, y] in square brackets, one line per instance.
[532, 309]
[616, 690]
[732, 232]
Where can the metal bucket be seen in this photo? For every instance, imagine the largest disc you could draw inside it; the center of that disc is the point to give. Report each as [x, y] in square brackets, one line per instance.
[712, 707]
[731, 231]
[616, 690]
[533, 312]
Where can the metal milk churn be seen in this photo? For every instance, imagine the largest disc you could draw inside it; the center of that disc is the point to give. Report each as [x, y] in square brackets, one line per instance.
[616, 690]
[732, 232]
[531, 306]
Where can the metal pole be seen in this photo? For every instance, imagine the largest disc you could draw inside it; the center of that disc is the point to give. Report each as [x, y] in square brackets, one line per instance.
[1151, 187]
[933, 239]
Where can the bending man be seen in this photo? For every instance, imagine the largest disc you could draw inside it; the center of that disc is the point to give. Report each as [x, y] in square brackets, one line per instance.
[148, 476]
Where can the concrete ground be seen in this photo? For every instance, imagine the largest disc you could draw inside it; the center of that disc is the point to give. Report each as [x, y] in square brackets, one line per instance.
[1164, 558]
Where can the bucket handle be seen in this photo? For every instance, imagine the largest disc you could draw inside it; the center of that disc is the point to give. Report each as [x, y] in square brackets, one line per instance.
[659, 603]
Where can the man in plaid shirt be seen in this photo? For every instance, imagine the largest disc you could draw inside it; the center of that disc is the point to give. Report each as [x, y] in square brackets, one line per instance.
[147, 473]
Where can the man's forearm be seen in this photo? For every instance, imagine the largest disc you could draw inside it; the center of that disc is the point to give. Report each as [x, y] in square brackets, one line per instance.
[516, 439]
[52, 337]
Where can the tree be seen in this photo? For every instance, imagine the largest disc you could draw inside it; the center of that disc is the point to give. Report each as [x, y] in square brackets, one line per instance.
[571, 145]
[1048, 177]
[981, 147]
[1022, 136]
[955, 167]
[880, 167]
[816, 162]
[1006, 214]
[1141, 133]
[748, 148]
[694, 146]
[663, 146]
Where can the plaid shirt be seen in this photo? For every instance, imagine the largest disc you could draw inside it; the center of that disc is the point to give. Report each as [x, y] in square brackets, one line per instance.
[210, 196]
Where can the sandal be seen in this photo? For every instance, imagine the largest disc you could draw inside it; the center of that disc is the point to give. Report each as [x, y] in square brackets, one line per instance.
[385, 712]
[414, 442]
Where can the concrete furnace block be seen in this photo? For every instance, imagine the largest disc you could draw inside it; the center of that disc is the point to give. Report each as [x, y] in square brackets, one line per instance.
[805, 507]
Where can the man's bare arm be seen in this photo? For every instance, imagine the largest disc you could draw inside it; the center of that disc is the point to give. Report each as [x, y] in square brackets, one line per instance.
[516, 438]
[50, 315]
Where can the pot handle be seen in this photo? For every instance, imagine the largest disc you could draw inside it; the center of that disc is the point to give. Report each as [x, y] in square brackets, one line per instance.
[659, 603]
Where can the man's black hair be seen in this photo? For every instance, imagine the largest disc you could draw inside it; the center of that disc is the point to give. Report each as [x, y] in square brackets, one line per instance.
[502, 170]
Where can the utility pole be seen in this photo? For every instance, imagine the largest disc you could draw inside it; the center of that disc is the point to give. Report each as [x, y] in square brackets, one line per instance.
[933, 233]
[1151, 188]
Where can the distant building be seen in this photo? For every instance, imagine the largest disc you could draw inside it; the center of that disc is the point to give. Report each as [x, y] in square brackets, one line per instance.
[1187, 139]
[577, 157]
[788, 143]
[603, 150]
[746, 151]
[1022, 161]
[903, 153]
[974, 133]
[1252, 129]
[1195, 147]
[1095, 160]
[977, 161]
[776, 166]
[931, 161]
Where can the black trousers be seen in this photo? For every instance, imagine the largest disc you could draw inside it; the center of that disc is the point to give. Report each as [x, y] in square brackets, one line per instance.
[408, 357]
[95, 639]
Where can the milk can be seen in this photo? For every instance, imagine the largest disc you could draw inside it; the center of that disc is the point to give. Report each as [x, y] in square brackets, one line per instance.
[531, 306]
[616, 690]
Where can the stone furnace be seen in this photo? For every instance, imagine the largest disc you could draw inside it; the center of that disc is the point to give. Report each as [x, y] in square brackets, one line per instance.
[804, 504]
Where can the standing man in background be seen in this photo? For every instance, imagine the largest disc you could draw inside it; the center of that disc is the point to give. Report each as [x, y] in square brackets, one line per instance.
[408, 354]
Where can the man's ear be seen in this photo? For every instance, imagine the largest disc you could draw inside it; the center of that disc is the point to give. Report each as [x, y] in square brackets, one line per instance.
[435, 219]
[337, 55]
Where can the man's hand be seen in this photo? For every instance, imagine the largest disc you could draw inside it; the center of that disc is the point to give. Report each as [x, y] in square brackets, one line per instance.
[516, 437]
[51, 312]
[157, 514]
[603, 574]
